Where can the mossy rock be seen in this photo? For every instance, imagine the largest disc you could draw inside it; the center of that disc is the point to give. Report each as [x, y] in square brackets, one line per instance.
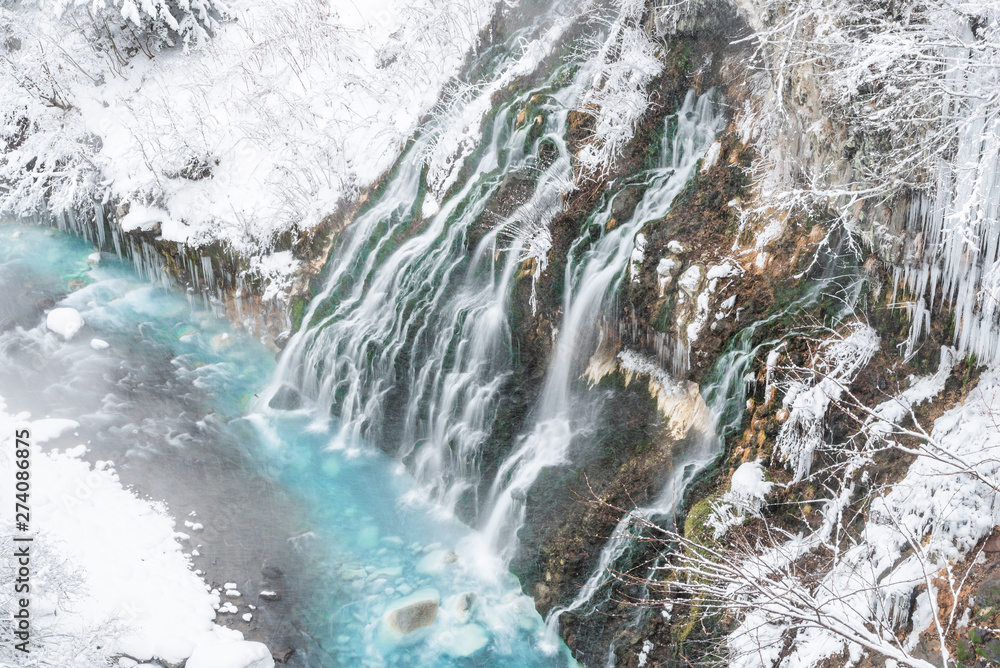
[696, 527]
[299, 307]
[988, 594]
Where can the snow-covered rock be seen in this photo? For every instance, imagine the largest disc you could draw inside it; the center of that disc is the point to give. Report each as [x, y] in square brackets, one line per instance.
[239, 654]
[99, 344]
[750, 485]
[638, 255]
[690, 279]
[747, 492]
[65, 322]
[665, 273]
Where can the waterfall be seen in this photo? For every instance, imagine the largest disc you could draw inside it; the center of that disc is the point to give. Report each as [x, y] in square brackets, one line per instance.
[409, 341]
[590, 279]
[725, 395]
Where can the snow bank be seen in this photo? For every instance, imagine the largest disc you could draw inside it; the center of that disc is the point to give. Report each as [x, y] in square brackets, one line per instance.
[756, 643]
[239, 654]
[943, 507]
[915, 535]
[895, 410]
[109, 565]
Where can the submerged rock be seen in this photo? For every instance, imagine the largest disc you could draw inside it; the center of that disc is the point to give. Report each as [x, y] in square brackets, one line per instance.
[271, 572]
[287, 398]
[460, 605]
[412, 617]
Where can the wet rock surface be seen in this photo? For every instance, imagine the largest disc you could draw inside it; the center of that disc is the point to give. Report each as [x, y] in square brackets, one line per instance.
[413, 617]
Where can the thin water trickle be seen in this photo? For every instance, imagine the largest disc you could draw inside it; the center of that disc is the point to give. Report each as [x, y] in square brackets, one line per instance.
[591, 277]
[724, 394]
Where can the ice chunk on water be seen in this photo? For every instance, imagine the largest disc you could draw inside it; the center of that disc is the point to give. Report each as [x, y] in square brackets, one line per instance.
[77, 452]
[463, 640]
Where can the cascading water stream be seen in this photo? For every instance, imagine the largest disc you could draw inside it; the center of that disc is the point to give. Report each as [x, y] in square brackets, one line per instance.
[724, 396]
[409, 341]
[590, 280]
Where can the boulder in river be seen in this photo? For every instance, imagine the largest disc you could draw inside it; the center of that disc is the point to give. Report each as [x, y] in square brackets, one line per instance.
[412, 613]
[413, 616]
[286, 398]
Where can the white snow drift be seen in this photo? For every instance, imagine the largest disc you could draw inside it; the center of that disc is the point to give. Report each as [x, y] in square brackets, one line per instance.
[108, 573]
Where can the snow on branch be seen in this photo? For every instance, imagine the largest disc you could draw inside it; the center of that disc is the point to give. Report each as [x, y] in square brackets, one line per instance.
[627, 62]
[841, 585]
[834, 365]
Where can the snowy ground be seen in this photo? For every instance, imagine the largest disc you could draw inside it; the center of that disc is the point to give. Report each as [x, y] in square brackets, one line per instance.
[108, 577]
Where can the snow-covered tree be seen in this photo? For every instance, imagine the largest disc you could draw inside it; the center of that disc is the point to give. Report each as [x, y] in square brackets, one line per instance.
[125, 28]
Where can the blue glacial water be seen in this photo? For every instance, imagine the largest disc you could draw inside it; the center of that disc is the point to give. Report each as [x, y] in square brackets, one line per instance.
[172, 401]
